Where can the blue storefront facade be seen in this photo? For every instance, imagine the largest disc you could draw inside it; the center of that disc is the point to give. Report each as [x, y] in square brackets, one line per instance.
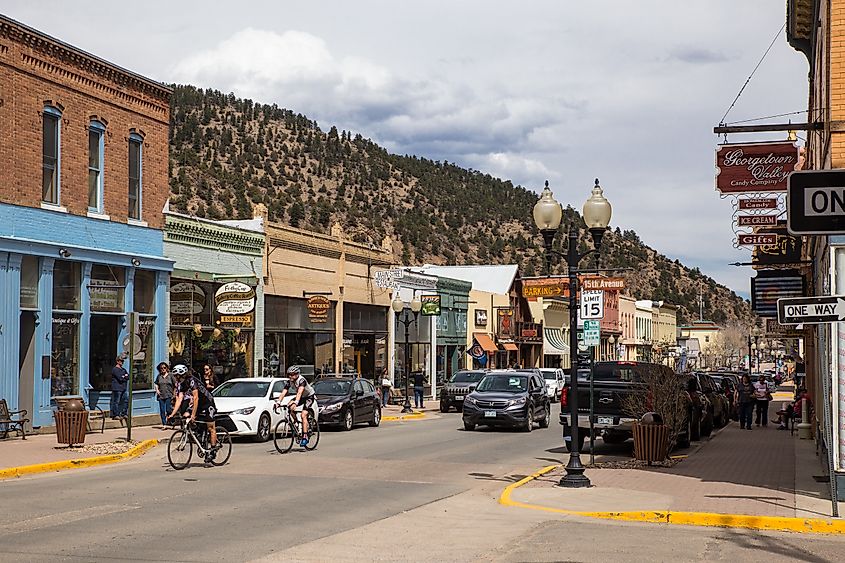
[68, 283]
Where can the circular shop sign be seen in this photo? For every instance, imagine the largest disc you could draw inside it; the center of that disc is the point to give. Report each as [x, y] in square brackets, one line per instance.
[235, 298]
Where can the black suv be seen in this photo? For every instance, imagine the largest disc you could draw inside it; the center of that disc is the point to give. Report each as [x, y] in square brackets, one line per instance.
[508, 398]
[459, 386]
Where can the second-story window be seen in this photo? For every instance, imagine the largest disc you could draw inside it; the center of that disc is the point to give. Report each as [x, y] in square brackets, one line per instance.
[52, 119]
[135, 180]
[95, 166]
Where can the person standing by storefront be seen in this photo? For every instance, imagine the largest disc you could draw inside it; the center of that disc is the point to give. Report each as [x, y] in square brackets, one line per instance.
[119, 399]
[164, 385]
[209, 378]
[385, 388]
[419, 381]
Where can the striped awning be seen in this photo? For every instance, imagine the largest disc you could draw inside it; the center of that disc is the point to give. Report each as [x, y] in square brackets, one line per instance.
[554, 343]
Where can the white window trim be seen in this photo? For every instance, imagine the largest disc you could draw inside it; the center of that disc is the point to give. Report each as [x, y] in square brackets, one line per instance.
[135, 138]
[99, 212]
[137, 223]
[55, 112]
[100, 216]
[53, 207]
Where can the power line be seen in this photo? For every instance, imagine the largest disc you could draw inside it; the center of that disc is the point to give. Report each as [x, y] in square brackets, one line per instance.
[766, 117]
[741, 90]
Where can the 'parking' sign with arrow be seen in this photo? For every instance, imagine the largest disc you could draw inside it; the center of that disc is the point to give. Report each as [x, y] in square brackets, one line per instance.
[811, 310]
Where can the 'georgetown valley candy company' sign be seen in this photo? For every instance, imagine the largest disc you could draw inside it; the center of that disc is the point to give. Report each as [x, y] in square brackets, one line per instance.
[754, 167]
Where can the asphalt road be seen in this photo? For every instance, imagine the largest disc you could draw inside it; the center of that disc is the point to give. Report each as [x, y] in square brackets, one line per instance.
[414, 491]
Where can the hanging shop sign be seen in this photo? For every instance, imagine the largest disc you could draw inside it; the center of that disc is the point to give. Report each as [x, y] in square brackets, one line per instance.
[105, 295]
[388, 279]
[234, 298]
[545, 287]
[504, 325]
[603, 284]
[318, 308]
[755, 167]
[756, 220]
[770, 285]
[481, 317]
[430, 305]
[186, 299]
[757, 203]
[787, 250]
[756, 239]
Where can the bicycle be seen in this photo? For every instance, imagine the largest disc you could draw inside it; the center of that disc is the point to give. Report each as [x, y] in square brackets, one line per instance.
[289, 430]
[181, 445]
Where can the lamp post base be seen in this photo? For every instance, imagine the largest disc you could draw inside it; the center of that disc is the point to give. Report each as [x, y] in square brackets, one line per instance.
[406, 408]
[575, 481]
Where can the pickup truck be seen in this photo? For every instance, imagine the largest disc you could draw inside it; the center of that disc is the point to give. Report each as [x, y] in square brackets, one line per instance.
[612, 382]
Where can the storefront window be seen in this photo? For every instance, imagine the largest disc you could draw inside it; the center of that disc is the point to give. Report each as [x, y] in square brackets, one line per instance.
[142, 365]
[324, 353]
[420, 355]
[102, 350]
[274, 351]
[191, 303]
[106, 288]
[64, 366]
[145, 291]
[66, 282]
[228, 352]
[29, 282]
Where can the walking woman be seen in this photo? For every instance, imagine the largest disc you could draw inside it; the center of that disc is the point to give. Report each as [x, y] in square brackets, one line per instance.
[744, 397]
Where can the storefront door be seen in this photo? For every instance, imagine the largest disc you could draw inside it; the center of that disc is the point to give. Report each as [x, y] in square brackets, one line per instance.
[102, 350]
[26, 381]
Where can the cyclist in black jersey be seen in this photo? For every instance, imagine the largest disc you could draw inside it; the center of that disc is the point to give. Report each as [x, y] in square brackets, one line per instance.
[199, 402]
[304, 398]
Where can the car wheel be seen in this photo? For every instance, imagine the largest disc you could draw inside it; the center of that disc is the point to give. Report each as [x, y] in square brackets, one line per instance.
[544, 423]
[376, 417]
[469, 426]
[529, 420]
[444, 407]
[348, 420]
[262, 432]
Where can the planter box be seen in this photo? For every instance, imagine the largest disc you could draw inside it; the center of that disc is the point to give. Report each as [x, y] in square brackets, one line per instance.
[651, 442]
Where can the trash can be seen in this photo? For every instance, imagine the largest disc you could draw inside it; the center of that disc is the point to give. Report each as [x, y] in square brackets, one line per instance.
[71, 423]
[651, 439]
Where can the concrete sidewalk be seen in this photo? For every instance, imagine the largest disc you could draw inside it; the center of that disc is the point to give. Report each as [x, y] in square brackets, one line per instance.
[762, 472]
[43, 448]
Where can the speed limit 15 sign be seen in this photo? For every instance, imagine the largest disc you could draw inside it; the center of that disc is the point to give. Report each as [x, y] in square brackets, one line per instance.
[592, 304]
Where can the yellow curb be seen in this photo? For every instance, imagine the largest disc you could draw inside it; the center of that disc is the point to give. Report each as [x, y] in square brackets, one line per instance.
[415, 416]
[774, 523]
[12, 472]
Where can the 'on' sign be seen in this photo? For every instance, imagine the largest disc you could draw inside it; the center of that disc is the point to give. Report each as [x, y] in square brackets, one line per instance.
[824, 201]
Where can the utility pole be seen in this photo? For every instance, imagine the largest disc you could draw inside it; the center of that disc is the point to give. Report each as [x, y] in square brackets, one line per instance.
[700, 305]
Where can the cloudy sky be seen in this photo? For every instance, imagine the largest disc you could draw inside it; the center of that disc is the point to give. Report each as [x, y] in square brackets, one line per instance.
[566, 91]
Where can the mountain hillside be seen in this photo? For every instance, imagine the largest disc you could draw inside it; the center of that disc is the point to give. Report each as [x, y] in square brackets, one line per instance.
[228, 153]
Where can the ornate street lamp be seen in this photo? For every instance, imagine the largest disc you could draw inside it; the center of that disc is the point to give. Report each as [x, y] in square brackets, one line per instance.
[752, 347]
[547, 217]
[398, 306]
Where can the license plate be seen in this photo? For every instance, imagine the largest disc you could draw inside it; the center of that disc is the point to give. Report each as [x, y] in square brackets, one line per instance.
[490, 414]
[605, 420]
[459, 397]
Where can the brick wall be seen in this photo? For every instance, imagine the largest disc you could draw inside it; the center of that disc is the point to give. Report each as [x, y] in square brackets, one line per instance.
[36, 71]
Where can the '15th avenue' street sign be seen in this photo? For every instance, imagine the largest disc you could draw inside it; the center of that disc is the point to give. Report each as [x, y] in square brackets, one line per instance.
[811, 310]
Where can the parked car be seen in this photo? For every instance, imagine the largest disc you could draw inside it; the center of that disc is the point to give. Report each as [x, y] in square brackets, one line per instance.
[612, 383]
[347, 401]
[728, 388]
[248, 401]
[461, 384]
[719, 408]
[554, 382]
[508, 398]
[701, 407]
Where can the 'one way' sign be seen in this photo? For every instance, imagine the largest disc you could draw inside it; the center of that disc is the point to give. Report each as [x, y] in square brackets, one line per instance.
[811, 310]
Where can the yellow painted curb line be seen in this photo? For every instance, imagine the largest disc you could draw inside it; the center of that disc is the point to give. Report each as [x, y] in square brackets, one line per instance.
[774, 523]
[12, 472]
[415, 416]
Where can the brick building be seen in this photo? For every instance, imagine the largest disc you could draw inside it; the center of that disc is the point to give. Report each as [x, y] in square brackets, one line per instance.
[83, 181]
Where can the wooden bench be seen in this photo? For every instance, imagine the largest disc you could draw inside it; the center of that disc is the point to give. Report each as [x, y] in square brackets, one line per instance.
[96, 416]
[12, 420]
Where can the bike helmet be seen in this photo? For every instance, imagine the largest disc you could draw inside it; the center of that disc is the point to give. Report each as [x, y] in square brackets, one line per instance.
[180, 370]
[293, 370]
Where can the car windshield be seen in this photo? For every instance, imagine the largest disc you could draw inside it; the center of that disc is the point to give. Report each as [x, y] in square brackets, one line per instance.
[467, 377]
[549, 374]
[330, 387]
[242, 389]
[506, 383]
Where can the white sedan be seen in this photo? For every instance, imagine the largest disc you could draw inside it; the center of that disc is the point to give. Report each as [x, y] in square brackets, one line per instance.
[248, 401]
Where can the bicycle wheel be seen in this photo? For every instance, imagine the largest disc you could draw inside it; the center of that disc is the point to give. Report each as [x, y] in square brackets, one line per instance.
[179, 450]
[313, 433]
[225, 443]
[283, 437]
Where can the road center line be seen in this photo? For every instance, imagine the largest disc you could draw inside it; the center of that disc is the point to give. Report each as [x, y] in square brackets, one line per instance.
[62, 518]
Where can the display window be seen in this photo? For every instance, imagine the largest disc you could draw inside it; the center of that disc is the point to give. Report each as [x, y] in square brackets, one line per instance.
[29, 282]
[67, 280]
[64, 361]
[106, 289]
[102, 350]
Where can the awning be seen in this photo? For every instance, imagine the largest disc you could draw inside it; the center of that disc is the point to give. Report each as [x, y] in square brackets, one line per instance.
[553, 343]
[508, 345]
[484, 341]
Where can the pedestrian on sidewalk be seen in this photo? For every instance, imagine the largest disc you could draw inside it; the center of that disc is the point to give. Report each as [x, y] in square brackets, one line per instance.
[419, 381]
[744, 397]
[208, 377]
[385, 388]
[762, 396]
[164, 385]
[119, 404]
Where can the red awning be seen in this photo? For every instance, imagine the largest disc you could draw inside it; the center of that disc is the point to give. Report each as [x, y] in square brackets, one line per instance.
[484, 341]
